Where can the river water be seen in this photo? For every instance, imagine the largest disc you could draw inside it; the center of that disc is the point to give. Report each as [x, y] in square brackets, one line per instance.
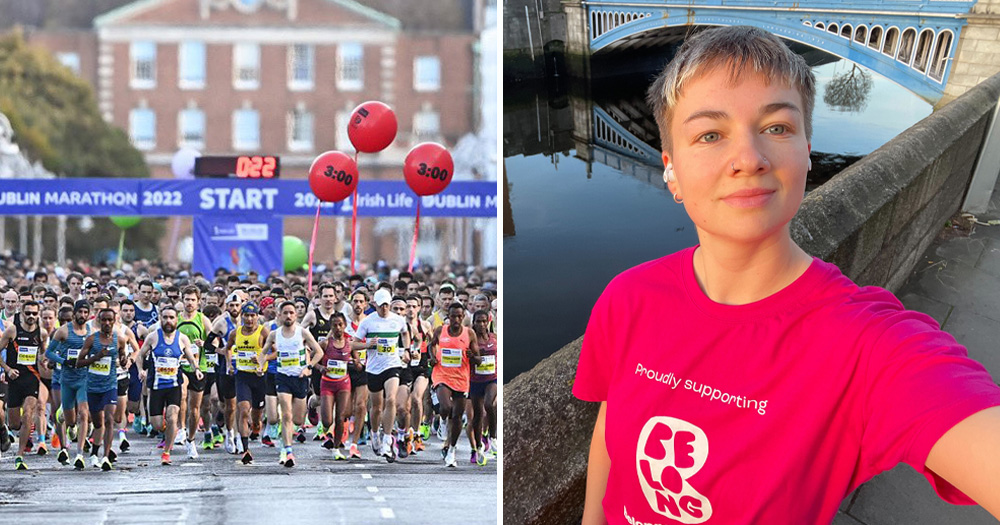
[579, 220]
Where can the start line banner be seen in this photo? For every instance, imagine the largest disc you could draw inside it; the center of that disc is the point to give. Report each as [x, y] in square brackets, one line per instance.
[168, 197]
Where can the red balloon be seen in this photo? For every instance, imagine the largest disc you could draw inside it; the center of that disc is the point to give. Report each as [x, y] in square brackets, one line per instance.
[372, 127]
[428, 168]
[333, 176]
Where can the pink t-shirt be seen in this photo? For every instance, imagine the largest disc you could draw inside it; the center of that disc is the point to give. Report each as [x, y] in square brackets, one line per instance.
[770, 412]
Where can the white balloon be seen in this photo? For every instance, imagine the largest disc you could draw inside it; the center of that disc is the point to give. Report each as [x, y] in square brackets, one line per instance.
[183, 163]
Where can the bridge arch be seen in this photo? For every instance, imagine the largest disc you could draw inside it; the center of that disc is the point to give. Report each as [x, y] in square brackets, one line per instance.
[889, 51]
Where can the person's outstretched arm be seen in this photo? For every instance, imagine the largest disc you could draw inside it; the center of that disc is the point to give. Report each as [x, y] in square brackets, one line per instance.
[968, 456]
[598, 466]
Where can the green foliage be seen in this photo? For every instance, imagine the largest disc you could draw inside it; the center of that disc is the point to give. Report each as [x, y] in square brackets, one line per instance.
[56, 121]
[55, 117]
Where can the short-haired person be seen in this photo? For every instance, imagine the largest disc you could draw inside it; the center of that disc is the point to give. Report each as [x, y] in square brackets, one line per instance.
[452, 350]
[63, 351]
[245, 346]
[743, 380]
[23, 341]
[103, 354]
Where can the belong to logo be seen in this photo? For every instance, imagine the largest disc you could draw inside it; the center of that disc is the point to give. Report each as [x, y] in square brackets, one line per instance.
[669, 452]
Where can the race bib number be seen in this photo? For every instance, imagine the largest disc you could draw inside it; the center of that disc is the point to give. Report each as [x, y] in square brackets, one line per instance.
[488, 366]
[336, 369]
[246, 361]
[26, 355]
[363, 355]
[166, 367]
[386, 345]
[212, 359]
[101, 367]
[73, 353]
[451, 357]
[291, 358]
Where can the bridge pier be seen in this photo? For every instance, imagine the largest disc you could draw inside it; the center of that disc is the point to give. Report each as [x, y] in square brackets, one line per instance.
[978, 55]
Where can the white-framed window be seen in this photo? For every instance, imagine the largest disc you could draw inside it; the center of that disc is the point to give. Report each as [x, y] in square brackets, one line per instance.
[427, 73]
[342, 140]
[191, 128]
[70, 60]
[191, 56]
[142, 128]
[246, 129]
[301, 66]
[300, 130]
[143, 58]
[426, 125]
[246, 65]
[350, 66]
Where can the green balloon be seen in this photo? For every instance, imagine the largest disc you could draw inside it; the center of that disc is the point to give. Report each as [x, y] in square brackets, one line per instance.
[125, 222]
[296, 253]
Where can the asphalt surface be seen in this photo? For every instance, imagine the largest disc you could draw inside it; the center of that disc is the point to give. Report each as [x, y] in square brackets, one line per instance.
[216, 488]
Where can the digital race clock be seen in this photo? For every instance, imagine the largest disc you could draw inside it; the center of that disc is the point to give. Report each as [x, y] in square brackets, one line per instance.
[241, 167]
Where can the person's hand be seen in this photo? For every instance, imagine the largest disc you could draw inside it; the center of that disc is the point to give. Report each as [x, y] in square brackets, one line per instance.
[432, 360]
[142, 375]
[103, 353]
[199, 343]
[198, 374]
[320, 368]
[12, 374]
[306, 372]
[231, 371]
[51, 365]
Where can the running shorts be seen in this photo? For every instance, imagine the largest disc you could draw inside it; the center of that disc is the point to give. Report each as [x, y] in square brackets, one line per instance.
[315, 382]
[159, 400]
[3, 392]
[330, 388]
[418, 371]
[227, 386]
[25, 386]
[479, 389]
[405, 377]
[73, 395]
[193, 383]
[454, 393]
[376, 382]
[270, 387]
[298, 387]
[250, 387]
[99, 400]
[47, 382]
[357, 378]
[134, 384]
[123, 385]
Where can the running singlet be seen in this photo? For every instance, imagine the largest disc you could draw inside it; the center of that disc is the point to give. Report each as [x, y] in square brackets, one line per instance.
[422, 362]
[486, 370]
[146, 317]
[122, 372]
[291, 352]
[22, 352]
[321, 328]
[230, 326]
[352, 331]
[103, 372]
[335, 359]
[166, 361]
[71, 350]
[195, 328]
[246, 348]
[453, 364]
[272, 365]
[386, 332]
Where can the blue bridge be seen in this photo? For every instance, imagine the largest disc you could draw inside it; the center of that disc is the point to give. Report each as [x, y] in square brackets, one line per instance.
[911, 42]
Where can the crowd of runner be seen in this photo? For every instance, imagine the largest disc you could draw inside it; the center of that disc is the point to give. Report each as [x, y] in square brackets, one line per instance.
[91, 355]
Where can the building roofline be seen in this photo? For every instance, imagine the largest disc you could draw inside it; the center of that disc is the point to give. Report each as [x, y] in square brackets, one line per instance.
[139, 6]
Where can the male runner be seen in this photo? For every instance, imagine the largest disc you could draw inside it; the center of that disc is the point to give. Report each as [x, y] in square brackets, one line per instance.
[48, 323]
[10, 304]
[124, 380]
[419, 332]
[269, 432]
[245, 344]
[195, 326]
[23, 339]
[64, 349]
[167, 345]
[145, 309]
[382, 332]
[103, 353]
[359, 378]
[288, 346]
[317, 321]
[136, 373]
[398, 307]
[222, 328]
[454, 347]
[483, 387]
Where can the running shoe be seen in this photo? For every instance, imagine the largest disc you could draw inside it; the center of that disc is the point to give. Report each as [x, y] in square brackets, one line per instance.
[31, 444]
[71, 431]
[328, 443]
[42, 449]
[79, 463]
[300, 436]
[112, 456]
[389, 448]
[165, 459]
[354, 452]
[474, 457]
[319, 432]
[124, 444]
[181, 437]
[425, 430]
[56, 442]
[282, 456]
[444, 453]
[230, 446]
[19, 463]
[254, 436]
[106, 465]
[208, 443]
[376, 444]
[338, 455]
[247, 458]
[313, 416]
[95, 461]
[290, 461]
[63, 457]
[266, 441]
[484, 458]
[86, 445]
[449, 459]
[192, 450]
[138, 427]
[161, 444]
[402, 445]
[442, 432]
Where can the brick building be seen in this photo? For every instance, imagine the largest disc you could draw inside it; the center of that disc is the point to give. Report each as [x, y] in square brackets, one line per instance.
[281, 77]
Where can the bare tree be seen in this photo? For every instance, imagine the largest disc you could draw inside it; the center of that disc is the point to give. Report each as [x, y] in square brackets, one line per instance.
[849, 91]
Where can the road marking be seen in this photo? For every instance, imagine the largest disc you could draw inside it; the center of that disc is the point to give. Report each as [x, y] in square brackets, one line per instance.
[360, 465]
[379, 499]
[190, 464]
[366, 476]
[372, 489]
[387, 513]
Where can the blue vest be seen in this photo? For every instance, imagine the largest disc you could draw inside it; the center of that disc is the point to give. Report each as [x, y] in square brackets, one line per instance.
[166, 361]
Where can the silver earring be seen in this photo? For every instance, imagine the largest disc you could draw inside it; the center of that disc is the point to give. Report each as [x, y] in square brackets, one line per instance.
[678, 200]
[733, 165]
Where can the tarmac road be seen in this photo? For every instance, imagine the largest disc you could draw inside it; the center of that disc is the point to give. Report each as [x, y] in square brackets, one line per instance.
[216, 488]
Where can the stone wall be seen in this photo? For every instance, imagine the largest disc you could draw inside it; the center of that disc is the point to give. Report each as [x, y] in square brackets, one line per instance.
[978, 55]
[874, 220]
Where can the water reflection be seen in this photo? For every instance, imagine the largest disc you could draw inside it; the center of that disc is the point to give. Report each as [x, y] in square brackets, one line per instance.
[586, 210]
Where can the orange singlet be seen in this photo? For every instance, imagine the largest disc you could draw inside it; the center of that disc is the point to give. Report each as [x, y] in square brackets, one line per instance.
[452, 369]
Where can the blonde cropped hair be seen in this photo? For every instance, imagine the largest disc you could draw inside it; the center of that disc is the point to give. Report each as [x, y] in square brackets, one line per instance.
[738, 49]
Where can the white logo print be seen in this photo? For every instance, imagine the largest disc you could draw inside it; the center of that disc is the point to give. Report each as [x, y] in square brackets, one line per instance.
[670, 451]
